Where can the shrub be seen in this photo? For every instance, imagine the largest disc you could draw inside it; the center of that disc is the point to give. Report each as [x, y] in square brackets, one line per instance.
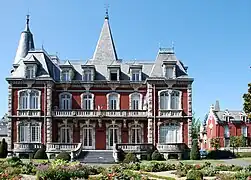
[220, 154]
[244, 154]
[195, 153]
[40, 154]
[194, 175]
[64, 156]
[157, 156]
[14, 161]
[3, 149]
[121, 155]
[130, 158]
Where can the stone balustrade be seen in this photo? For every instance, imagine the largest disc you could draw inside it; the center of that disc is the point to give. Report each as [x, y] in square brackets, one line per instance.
[134, 147]
[29, 113]
[170, 113]
[27, 147]
[100, 113]
[171, 147]
[58, 147]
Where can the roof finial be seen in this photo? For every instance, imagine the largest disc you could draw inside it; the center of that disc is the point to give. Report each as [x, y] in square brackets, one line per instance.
[173, 46]
[106, 11]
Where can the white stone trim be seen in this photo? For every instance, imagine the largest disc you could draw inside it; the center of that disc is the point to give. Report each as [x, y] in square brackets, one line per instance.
[29, 123]
[88, 125]
[112, 124]
[180, 139]
[149, 96]
[108, 102]
[140, 100]
[65, 124]
[170, 91]
[28, 103]
[189, 113]
[82, 100]
[48, 127]
[9, 124]
[60, 99]
[139, 71]
[135, 124]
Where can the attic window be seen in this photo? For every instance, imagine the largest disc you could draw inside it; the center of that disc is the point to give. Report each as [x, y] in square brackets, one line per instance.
[114, 75]
[87, 75]
[65, 75]
[30, 72]
[135, 75]
[169, 72]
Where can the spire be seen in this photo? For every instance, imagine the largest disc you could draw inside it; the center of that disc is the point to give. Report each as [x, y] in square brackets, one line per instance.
[26, 42]
[217, 106]
[105, 51]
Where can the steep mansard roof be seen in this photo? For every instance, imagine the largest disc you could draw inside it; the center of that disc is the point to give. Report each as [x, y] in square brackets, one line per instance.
[105, 55]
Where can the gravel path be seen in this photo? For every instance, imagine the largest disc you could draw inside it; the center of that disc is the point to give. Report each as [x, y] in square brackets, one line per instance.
[238, 162]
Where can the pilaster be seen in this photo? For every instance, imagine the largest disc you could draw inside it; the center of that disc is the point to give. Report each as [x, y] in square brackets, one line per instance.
[48, 114]
[9, 124]
[190, 113]
[150, 110]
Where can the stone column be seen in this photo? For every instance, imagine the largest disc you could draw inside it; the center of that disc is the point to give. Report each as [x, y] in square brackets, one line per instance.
[190, 113]
[9, 125]
[48, 110]
[150, 114]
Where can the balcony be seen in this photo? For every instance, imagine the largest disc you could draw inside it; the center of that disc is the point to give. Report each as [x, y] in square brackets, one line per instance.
[58, 147]
[26, 147]
[29, 113]
[170, 113]
[100, 113]
[172, 147]
[136, 148]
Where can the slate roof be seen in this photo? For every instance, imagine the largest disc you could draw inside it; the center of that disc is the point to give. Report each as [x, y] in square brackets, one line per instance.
[105, 55]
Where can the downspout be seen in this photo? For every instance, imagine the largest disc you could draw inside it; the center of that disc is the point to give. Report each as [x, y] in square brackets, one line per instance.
[45, 112]
[154, 116]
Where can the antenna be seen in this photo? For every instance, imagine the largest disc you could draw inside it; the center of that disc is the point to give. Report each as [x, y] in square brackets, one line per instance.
[172, 45]
[43, 45]
[107, 10]
[159, 45]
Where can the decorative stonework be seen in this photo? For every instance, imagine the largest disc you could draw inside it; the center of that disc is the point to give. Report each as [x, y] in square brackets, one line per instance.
[189, 113]
[100, 123]
[48, 111]
[113, 86]
[87, 87]
[150, 123]
[124, 123]
[9, 125]
[135, 86]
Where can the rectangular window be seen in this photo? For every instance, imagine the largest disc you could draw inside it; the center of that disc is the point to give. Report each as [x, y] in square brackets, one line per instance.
[226, 131]
[87, 75]
[135, 104]
[24, 102]
[169, 72]
[113, 104]
[244, 131]
[135, 75]
[23, 133]
[66, 76]
[114, 75]
[30, 72]
[65, 134]
[35, 131]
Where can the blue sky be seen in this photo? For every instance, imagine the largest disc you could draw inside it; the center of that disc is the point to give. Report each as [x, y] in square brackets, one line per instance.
[212, 37]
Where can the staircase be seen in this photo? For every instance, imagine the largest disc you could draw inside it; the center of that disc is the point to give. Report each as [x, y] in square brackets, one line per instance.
[96, 156]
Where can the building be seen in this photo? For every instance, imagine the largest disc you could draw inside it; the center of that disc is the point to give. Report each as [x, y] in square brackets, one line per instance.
[94, 104]
[3, 127]
[223, 124]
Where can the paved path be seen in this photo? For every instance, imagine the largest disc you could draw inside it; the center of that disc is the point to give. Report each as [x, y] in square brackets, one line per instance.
[238, 162]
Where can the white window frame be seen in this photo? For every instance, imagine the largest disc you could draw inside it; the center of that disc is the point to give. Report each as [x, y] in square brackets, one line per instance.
[87, 75]
[172, 127]
[67, 76]
[112, 126]
[226, 131]
[131, 100]
[133, 126]
[61, 101]
[62, 126]
[30, 71]
[27, 131]
[244, 130]
[29, 91]
[170, 92]
[134, 73]
[83, 101]
[108, 100]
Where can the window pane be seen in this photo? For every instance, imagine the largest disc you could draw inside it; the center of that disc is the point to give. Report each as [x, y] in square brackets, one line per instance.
[169, 72]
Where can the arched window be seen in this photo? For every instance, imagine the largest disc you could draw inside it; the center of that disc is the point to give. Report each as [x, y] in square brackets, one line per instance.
[164, 100]
[136, 134]
[170, 133]
[113, 134]
[88, 141]
[175, 100]
[113, 100]
[65, 101]
[135, 101]
[65, 134]
[29, 132]
[87, 101]
[29, 99]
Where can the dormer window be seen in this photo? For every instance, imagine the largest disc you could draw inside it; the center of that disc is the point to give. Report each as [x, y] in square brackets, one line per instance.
[114, 75]
[30, 72]
[65, 76]
[136, 75]
[169, 72]
[113, 72]
[87, 76]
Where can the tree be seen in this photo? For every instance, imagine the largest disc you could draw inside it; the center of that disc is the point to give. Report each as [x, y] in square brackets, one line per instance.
[195, 127]
[195, 153]
[215, 143]
[236, 142]
[247, 101]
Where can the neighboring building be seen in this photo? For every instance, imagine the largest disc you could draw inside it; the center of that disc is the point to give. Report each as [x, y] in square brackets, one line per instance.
[222, 124]
[95, 104]
[3, 127]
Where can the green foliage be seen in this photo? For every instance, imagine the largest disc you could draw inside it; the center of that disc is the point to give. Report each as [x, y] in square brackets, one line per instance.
[157, 156]
[195, 127]
[247, 101]
[64, 156]
[40, 154]
[243, 141]
[220, 154]
[3, 149]
[28, 168]
[215, 143]
[121, 155]
[195, 153]
[236, 142]
[194, 175]
[14, 161]
[130, 158]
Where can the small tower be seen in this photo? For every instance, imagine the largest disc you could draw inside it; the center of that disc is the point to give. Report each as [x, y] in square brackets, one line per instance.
[26, 43]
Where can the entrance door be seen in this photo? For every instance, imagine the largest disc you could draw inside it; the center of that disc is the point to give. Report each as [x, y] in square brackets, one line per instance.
[112, 136]
[88, 138]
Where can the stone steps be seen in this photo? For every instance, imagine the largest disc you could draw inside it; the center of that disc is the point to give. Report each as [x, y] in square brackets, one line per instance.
[96, 157]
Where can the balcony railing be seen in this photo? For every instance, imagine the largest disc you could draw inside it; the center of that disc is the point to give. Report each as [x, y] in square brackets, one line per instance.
[29, 113]
[170, 113]
[144, 147]
[27, 147]
[171, 147]
[58, 147]
[100, 113]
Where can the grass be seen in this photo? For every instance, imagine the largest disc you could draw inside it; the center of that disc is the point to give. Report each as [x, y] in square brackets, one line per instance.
[191, 161]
